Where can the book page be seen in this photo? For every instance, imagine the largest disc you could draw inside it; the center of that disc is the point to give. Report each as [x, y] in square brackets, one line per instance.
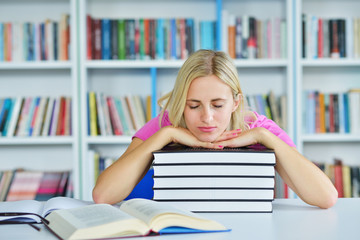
[26, 206]
[62, 203]
[146, 210]
[92, 215]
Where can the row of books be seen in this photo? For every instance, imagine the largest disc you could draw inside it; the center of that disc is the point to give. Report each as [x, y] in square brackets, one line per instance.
[345, 178]
[204, 180]
[110, 115]
[39, 185]
[30, 41]
[330, 37]
[35, 116]
[142, 38]
[331, 112]
[269, 105]
[248, 37]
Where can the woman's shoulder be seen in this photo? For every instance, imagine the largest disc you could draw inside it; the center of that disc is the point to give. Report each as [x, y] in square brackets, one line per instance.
[153, 126]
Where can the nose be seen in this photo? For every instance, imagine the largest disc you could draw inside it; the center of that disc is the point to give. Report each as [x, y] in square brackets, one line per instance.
[206, 115]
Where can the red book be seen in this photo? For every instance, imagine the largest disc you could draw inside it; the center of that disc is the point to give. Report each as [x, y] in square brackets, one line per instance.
[339, 178]
[89, 30]
[114, 116]
[335, 53]
[286, 190]
[97, 39]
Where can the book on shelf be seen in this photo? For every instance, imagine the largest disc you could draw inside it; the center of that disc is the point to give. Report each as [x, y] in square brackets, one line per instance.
[21, 184]
[135, 217]
[269, 105]
[139, 39]
[247, 37]
[110, 115]
[329, 37]
[346, 178]
[35, 41]
[41, 208]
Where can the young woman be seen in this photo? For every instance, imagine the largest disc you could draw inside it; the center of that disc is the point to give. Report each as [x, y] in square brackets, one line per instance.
[206, 109]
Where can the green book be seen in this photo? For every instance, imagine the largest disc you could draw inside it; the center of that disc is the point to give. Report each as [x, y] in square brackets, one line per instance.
[121, 39]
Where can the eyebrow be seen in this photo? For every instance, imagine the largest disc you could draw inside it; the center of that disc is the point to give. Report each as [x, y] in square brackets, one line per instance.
[212, 100]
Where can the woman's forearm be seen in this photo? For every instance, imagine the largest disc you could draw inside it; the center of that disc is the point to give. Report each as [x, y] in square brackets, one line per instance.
[304, 177]
[117, 181]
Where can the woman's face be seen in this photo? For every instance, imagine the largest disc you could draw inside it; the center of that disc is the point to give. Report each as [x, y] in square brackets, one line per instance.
[209, 105]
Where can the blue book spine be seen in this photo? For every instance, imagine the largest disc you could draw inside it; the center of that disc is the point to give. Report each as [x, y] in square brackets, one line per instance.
[210, 43]
[132, 39]
[190, 35]
[160, 38]
[202, 35]
[312, 113]
[8, 118]
[1, 42]
[4, 113]
[106, 37]
[346, 113]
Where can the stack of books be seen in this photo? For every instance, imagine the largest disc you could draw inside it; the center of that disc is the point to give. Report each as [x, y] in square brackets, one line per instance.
[207, 180]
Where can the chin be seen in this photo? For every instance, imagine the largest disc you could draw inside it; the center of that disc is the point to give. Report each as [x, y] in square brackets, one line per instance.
[207, 138]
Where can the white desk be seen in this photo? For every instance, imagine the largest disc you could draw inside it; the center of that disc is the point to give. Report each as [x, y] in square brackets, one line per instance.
[291, 219]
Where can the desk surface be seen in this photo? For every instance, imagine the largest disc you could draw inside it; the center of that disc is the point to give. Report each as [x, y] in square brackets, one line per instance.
[291, 219]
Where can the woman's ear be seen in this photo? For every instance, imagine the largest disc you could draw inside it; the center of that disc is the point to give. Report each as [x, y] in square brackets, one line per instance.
[237, 100]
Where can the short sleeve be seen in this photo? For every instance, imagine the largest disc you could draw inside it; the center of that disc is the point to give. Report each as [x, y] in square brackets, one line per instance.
[263, 121]
[152, 127]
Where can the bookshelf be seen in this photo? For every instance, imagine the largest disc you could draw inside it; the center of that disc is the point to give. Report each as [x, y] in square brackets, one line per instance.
[43, 78]
[120, 77]
[327, 75]
[288, 76]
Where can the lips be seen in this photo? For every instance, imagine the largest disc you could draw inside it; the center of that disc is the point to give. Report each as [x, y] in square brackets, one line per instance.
[207, 129]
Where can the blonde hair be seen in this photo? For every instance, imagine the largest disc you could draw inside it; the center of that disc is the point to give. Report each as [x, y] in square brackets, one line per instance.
[204, 63]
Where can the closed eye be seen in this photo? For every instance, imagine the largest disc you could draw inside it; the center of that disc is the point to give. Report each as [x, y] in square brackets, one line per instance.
[218, 106]
[193, 107]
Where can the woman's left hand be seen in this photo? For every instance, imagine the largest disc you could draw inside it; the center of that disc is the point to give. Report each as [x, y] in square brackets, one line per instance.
[242, 139]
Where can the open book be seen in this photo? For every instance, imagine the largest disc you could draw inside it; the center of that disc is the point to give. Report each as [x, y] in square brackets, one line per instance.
[136, 217]
[36, 207]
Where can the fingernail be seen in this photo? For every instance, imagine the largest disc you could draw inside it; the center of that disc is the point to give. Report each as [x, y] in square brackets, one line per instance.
[234, 134]
[239, 130]
[220, 146]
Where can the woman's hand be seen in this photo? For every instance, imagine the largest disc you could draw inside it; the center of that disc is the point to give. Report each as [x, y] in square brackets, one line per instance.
[236, 138]
[185, 137]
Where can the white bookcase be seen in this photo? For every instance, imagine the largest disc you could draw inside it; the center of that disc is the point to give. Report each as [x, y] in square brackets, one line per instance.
[329, 76]
[287, 76]
[154, 77]
[41, 78]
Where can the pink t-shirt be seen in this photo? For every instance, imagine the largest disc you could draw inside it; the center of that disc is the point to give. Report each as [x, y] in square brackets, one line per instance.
[152, 127]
